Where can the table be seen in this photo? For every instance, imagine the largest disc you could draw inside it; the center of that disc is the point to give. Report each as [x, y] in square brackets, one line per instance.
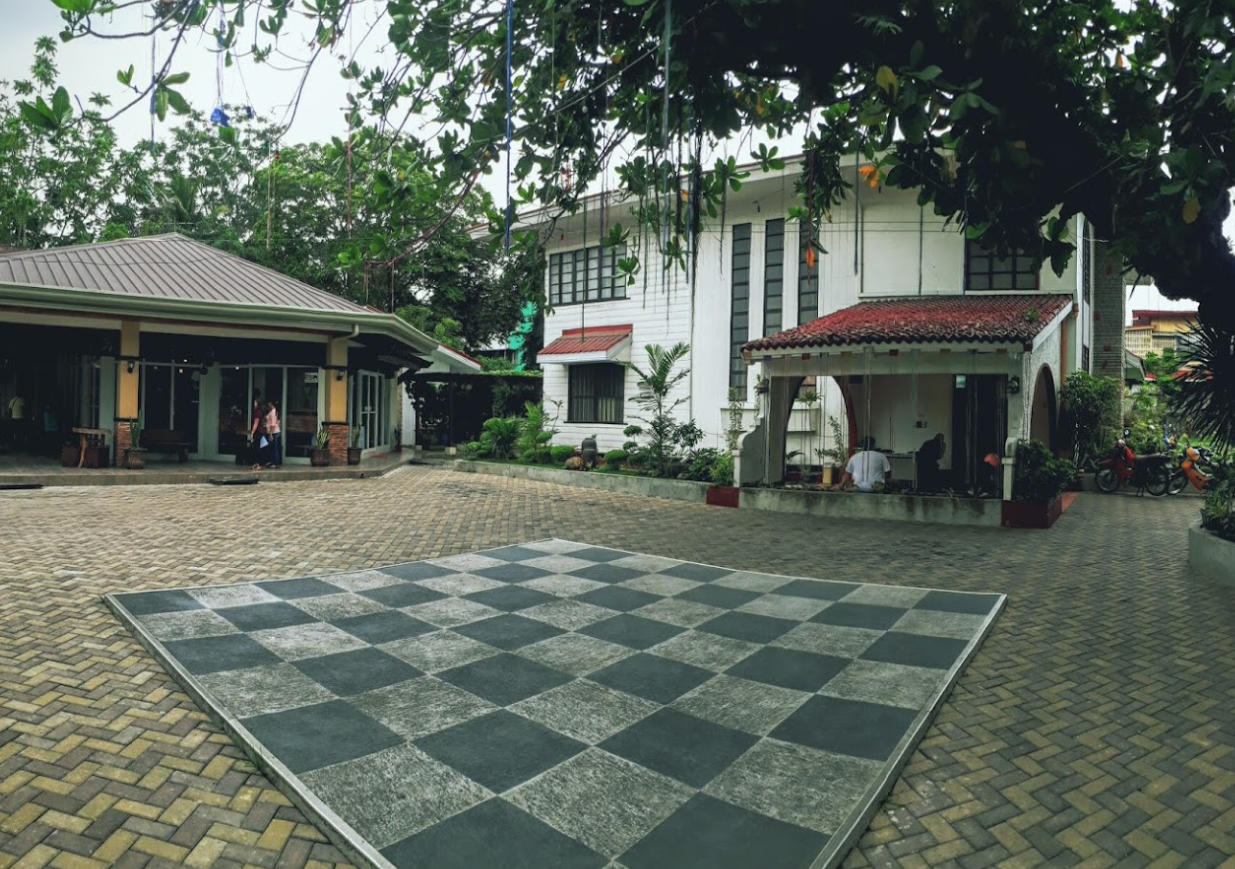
[85, 434]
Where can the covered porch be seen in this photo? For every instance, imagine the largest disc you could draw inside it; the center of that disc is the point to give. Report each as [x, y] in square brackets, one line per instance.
[978, 370]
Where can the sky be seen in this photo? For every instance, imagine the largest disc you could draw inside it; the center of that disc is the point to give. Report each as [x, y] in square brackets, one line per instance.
[89, 65]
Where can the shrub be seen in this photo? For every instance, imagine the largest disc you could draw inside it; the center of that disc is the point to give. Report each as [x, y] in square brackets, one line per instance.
[1218, 512]
[498, 436]
[1090, 413]
[560, 453]
[701, 466]
[722, 471]
[614, 459]
[532, 444]
[637, 459]
[1039, 475]
[471, 450]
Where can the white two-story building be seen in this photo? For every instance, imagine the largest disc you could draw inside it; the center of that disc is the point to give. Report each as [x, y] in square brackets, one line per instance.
[900, 327]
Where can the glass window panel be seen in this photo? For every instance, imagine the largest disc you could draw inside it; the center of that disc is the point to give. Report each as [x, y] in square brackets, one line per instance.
[1001, 281]
[979, 282]
[1026, 281]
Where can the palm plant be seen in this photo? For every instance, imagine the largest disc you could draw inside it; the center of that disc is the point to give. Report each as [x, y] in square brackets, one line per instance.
[1207, 399]
[655, 383]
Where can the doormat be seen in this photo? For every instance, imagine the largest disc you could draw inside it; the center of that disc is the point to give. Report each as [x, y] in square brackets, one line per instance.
[561, 704]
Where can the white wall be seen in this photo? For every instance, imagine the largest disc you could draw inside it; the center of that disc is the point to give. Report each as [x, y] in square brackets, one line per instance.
[897, 421]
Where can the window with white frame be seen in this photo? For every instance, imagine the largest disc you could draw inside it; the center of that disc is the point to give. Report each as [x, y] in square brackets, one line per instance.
[586, 275]
[596, 393]
[986, 270]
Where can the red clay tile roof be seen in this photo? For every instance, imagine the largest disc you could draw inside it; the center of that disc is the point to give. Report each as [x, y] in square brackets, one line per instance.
[924, 319]
[593, 339]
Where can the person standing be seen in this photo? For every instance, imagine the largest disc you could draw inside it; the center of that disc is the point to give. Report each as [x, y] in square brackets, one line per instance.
[274, 434]
[257, 422]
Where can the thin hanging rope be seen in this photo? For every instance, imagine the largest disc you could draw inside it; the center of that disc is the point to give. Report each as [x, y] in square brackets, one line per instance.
[510, 19]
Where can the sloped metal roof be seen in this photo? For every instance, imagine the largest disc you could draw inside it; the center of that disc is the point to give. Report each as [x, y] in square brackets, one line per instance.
[165, 267]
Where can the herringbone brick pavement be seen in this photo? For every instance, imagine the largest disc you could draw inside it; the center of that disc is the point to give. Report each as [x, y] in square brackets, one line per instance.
[1093, 728]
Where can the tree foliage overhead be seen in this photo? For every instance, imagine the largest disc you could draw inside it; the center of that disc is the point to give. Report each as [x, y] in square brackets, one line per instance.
[1007, 115]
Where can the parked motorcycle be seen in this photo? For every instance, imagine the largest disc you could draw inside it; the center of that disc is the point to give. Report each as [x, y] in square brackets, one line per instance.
[1194, 466]
[1147, 473]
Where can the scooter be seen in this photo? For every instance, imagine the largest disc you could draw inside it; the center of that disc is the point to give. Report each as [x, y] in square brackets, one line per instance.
[1189, 470]
[1148, 473]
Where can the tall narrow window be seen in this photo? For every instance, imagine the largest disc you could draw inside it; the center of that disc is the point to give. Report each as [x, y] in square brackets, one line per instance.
[808, 275]
[739, 312]
[596, 393]
[986, 270]
[1084, 259]
[773, 276]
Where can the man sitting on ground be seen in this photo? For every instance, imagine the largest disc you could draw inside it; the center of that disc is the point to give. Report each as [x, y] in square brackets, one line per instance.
[867, 468]
[927, 460]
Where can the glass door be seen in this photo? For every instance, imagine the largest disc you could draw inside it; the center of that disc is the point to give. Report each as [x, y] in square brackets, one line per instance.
[366, 395]
[233, 410]
[300, 416]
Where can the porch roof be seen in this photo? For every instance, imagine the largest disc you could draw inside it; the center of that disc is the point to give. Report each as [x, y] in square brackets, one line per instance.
[995, 319]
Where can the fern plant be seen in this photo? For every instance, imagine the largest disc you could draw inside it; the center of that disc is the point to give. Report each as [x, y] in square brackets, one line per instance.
[498, 436]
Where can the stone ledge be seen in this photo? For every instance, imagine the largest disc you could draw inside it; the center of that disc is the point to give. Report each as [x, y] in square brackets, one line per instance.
[652, 487]
[1210, 555]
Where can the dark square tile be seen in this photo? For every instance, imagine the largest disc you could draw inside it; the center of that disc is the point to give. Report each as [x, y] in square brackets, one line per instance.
[606, 573]
[508, 632]
[504, 679]
[478, 836]
[263, 616]
[402, 594]
[353, 672]
[314, 736]
[290, 589]
[632, 631]
[513, 553]
[147, 602]
[789, 668]
[860, 615]
[679, 745]
[510, 597]
[621, 599]
[213, 654]
[751, 627]
[819, 589]
[598, 554]
[510, 572]
[915, 650]
[707, 833]
[500, 750]
[415, 570]
[652, 677]
[719, 595]
[958, 602]
[851, 727]
[697, 572]
[384, 626]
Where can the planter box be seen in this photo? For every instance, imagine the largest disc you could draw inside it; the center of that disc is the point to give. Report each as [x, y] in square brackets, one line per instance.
[1211, 556]
[723, 496]
[1031, 514]
[353, 455]
[319, 458]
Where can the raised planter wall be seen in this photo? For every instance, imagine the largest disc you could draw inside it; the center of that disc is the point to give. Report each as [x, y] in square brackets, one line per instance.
[653, 487]
[860, 505]
[1210, 555]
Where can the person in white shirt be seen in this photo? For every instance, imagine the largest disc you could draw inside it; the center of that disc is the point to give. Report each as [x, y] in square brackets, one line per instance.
[866, 468]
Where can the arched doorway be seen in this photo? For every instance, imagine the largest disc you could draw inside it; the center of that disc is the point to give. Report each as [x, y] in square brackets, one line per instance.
[1042, 410]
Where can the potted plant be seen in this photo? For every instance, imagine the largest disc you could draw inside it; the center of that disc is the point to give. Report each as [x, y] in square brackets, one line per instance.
[836, 454]
[133, 458]
[319, 456]
[722, 492]
[1037, 483]
[354, 449]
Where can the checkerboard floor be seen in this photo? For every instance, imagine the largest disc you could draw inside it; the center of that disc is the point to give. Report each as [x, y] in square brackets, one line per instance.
[560, 704]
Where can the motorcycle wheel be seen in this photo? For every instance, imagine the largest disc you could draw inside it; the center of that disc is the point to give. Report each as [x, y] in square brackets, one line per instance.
[1106, 480]
[1157, 481]
[1177, 483]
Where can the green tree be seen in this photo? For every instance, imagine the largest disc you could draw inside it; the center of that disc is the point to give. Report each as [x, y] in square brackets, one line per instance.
[655, 383]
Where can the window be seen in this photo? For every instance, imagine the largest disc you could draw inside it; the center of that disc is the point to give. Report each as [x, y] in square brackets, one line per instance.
[586, 275]
[596, 393]
[1085, 357]
[984, 270]
[739, 312]
[773, 276]
[808, 275]
[1083, 260]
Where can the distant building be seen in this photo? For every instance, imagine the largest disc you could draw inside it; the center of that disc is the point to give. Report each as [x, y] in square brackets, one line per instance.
[1155, 331]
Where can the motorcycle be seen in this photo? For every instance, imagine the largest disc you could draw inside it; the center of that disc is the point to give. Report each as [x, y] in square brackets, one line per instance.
[1148, 473]
[1188, 469]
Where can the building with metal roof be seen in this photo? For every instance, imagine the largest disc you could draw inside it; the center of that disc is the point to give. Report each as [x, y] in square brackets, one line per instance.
[177, 337]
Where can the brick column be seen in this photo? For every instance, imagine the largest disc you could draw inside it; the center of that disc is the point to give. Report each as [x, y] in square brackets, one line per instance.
[122, 441]
[338, 442]
[1107, 354]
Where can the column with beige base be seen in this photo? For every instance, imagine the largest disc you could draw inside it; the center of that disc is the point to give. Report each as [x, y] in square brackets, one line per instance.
[336, 399]
[128, 377]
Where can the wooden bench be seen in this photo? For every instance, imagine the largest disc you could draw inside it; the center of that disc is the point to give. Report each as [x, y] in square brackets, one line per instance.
[166, 441]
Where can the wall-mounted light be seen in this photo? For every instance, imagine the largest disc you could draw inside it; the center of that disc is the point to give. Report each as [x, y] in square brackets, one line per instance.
[1014, 385]
[339, 374]
[130, 364]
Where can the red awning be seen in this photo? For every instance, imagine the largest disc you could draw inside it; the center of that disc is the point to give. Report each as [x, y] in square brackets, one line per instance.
[925, 319]
[592, 344]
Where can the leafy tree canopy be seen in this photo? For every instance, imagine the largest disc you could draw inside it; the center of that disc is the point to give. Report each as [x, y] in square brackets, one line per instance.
[1009, 116]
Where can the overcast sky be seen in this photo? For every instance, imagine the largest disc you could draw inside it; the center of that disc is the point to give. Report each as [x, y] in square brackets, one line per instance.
[90, 65]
